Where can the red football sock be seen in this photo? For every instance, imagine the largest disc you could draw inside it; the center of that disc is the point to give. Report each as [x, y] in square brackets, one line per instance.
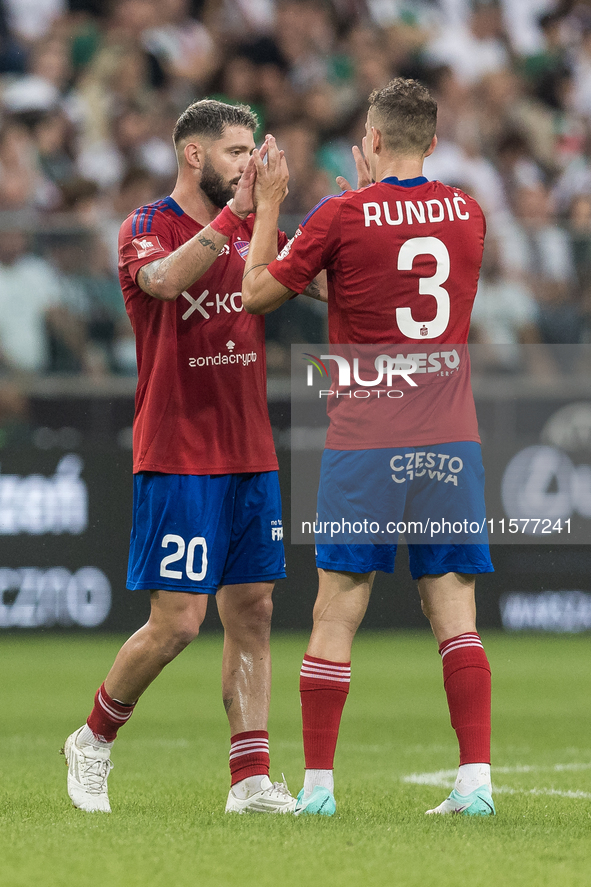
[249, 755]
[466, 677]
[108, 715]
[324, 687]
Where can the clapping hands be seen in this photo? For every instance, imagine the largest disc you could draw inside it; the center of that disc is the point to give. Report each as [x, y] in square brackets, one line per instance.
[363, 171]
[270, 185]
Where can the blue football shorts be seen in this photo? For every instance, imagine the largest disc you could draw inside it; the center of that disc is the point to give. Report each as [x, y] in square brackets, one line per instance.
[434, 495]
[198, 532]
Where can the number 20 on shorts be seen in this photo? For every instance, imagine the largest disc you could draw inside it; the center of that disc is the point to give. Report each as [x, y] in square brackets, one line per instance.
[178, 555]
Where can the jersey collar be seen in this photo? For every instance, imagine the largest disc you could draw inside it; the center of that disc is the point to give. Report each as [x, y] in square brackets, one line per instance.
[404, 183]
[174, 206]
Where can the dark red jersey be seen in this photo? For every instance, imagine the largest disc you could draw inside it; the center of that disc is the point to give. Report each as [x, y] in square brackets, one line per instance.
[402, 261]
[201, 400]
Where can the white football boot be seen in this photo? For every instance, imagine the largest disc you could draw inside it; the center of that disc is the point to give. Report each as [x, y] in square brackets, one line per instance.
[271, 797]
[88, 770]
[477, 803]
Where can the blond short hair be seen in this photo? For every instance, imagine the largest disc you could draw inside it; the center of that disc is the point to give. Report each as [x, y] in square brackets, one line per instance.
[406, 114]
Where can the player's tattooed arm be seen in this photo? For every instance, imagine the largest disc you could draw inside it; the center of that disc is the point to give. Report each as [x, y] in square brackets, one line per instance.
[317, 288]
[167, 278]
[205, 241]
[149, 277]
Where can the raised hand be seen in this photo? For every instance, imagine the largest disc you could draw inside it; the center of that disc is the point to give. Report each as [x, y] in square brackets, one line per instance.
[363, 171]
[270, 187]
[243, 203]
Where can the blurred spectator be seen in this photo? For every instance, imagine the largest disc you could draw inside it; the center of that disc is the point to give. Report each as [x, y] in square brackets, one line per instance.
[90, 90]
[370, 60]
[581, 69]
[310, 182]
[32, 19]
[54, 138]
[505, 313]
[22, 183]
[505, 106]
[90, 293]
[474, 48]
[551, 54]
[46, 81]
[579, 220]
[13, 57]
[516, 165]
[539, 253]
[335, 157]
[116, 80]
[532, 26]
[15, 427]
[275, 93]
[137, 188]
[182, 45]
[306, 39]
[236, 19]
[30, 305]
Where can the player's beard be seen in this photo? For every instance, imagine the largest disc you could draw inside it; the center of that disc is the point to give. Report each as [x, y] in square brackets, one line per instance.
[215, 187]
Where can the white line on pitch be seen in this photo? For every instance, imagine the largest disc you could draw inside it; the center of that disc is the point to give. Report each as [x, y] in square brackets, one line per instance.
[442, 777]
[446, 779]
[506, 790]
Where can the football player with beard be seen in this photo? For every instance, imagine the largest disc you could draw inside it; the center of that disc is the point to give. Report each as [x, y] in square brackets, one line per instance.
[207, 508]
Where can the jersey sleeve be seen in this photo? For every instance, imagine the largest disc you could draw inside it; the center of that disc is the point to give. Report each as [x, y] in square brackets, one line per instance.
[139, 246]
[282, 240]
[310, 249]
[475, 211]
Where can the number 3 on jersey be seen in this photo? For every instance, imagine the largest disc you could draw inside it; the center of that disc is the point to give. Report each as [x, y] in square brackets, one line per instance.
[173, 539]
[428, 286]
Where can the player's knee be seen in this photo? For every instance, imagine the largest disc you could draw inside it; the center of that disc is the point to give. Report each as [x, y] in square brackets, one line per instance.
[175, 635]
[176, 641]
[183, 635]
[426, 609]
[253, 618]
[258, 614]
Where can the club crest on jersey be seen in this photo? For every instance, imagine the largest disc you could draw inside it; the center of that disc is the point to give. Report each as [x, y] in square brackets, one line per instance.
[242, 247]
[145, 246]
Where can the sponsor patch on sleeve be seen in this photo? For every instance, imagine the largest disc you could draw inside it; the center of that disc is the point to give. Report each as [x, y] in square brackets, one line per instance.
[146, 246]
[286, 249]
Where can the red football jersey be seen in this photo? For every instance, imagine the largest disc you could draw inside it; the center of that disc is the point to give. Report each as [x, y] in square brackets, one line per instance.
[201, 399]
[402, 261]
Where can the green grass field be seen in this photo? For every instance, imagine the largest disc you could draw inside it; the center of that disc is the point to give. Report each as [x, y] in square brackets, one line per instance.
[396, 757]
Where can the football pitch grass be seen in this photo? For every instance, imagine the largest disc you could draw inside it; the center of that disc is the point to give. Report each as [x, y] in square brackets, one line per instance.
[396, 758]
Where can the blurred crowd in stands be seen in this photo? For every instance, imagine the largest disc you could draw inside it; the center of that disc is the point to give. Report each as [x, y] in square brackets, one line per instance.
[90, 91]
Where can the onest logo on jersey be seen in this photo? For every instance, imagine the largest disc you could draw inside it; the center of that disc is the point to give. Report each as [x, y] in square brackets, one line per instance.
[145, 246]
